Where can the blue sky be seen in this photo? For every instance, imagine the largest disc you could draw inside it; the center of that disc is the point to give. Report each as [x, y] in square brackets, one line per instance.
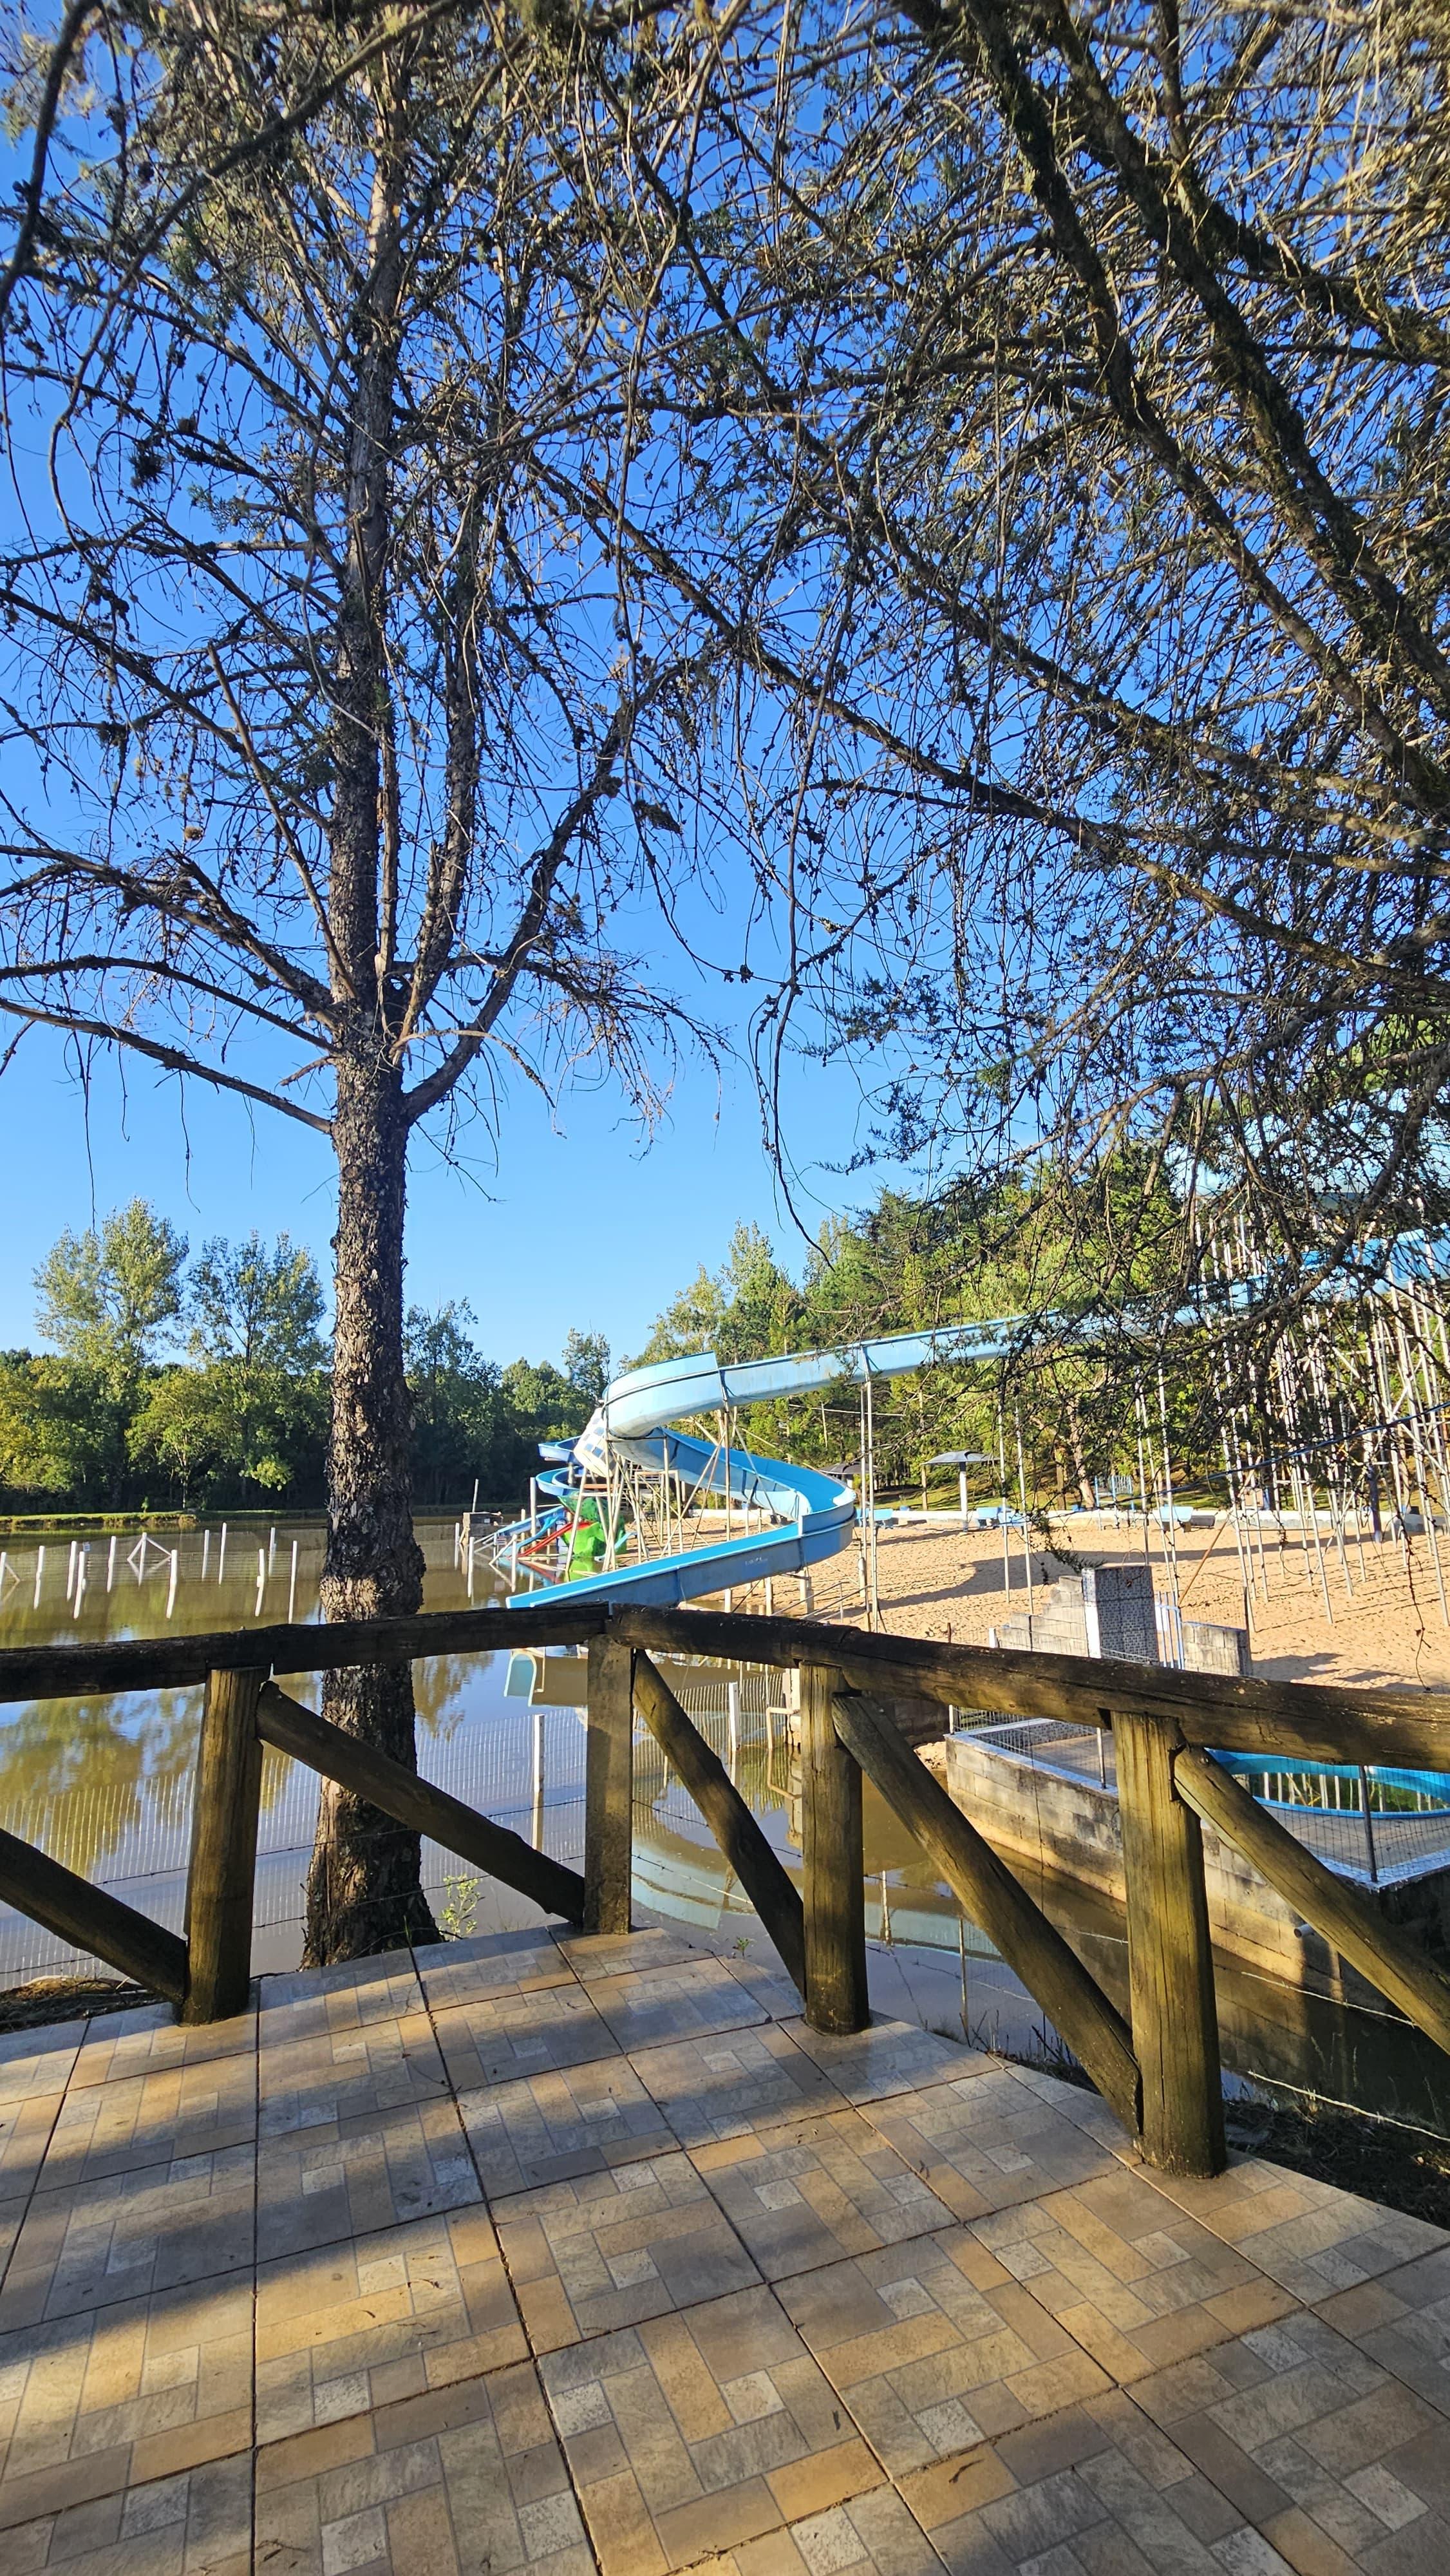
[578, 1226]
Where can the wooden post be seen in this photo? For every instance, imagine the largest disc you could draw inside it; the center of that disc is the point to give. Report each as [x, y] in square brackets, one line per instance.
[1170, 1958]
[609, 1787]
[835, 1896]
[224, 1849]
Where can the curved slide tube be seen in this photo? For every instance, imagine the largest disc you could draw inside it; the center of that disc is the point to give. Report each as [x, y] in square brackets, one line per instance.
[814, 1514]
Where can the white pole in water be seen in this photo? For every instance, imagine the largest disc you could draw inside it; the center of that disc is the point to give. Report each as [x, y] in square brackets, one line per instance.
[171, 1586]
[271, 1549]
[221, 1554]
[39, 1573]
[111, 1563]
[732, 1708]
[292, 1588]
[470, 1564]
[205, 1552]
[70, 1580]
[81, 1555]
[4, 1569]
[261, 1578]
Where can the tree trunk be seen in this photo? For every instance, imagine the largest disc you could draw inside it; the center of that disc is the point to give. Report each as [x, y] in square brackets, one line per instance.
[364, 1890]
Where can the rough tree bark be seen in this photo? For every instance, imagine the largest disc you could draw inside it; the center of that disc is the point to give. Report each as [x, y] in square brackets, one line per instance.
[364, 1891]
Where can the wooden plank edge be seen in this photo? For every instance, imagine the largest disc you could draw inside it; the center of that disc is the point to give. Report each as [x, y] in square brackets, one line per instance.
[91, 1918]
[758, 1867]
[997, 1901]
[1345, 1917]
[290, 1728]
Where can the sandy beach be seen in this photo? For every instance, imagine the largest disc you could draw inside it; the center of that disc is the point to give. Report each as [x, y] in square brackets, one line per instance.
[1384, 1622]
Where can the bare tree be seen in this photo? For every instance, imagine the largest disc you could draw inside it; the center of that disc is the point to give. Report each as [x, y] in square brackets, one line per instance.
[336, 743]
[1106, 422]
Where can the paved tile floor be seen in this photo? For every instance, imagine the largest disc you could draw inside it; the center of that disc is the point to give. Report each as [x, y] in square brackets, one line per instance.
[588, 2258]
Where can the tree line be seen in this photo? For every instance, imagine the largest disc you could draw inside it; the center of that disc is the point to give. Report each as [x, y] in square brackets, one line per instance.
[203, 1381]
[1079, 1387]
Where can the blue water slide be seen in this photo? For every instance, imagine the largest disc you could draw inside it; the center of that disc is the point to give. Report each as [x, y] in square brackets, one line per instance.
[814, 1515]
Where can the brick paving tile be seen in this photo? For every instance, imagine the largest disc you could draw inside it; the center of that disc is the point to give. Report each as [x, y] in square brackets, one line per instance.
[174, 2113]
[197, 2523]
[361, 2324]
[307, 2003]
[1093, 2491]
[935, 2348]
[1320, 2447]
[39, 2061]
[85, 2244]
[569, 2120]
[611, 2249]
[459, 1972]
[466, 2481]
[1308, 2235]
[498, 2037]
[655, 2006]
[349, 2073]
[148, 2040]
[26, 2128]
[318, 2186]
[985, 2141]
[762, 1972]
[1085, 2109]
[1137, 2282]
[890, 2057]
[123, 2394]
[700, 2432]
[1402, 2320]
[734, 2083]
[873, 2535]
[823, 2188]
[611, 1954]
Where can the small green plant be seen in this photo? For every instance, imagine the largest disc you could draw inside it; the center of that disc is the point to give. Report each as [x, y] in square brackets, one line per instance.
[741, 1946]
[458, 1914]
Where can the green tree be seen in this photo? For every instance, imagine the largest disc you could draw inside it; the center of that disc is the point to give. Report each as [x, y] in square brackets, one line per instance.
[261, 1309]
[62, 1431]
[586, 1364]
[108, 1297]
[462, 1430]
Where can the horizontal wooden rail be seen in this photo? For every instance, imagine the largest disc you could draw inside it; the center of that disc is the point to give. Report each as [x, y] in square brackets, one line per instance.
[169, 1663]
[1349, 1923]
[70, 1907]
[1254, 1716]
[760, 1872]
[1324, 1723]
[987, 1890]
[289, 1728]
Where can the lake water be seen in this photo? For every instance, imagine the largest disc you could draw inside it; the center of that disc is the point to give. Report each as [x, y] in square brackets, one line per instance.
[104, 1783]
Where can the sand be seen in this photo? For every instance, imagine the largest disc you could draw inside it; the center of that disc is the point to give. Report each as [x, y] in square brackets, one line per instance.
[941, 1581]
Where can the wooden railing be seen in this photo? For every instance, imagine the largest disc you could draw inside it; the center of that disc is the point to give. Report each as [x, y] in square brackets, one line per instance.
[1159, 2070]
